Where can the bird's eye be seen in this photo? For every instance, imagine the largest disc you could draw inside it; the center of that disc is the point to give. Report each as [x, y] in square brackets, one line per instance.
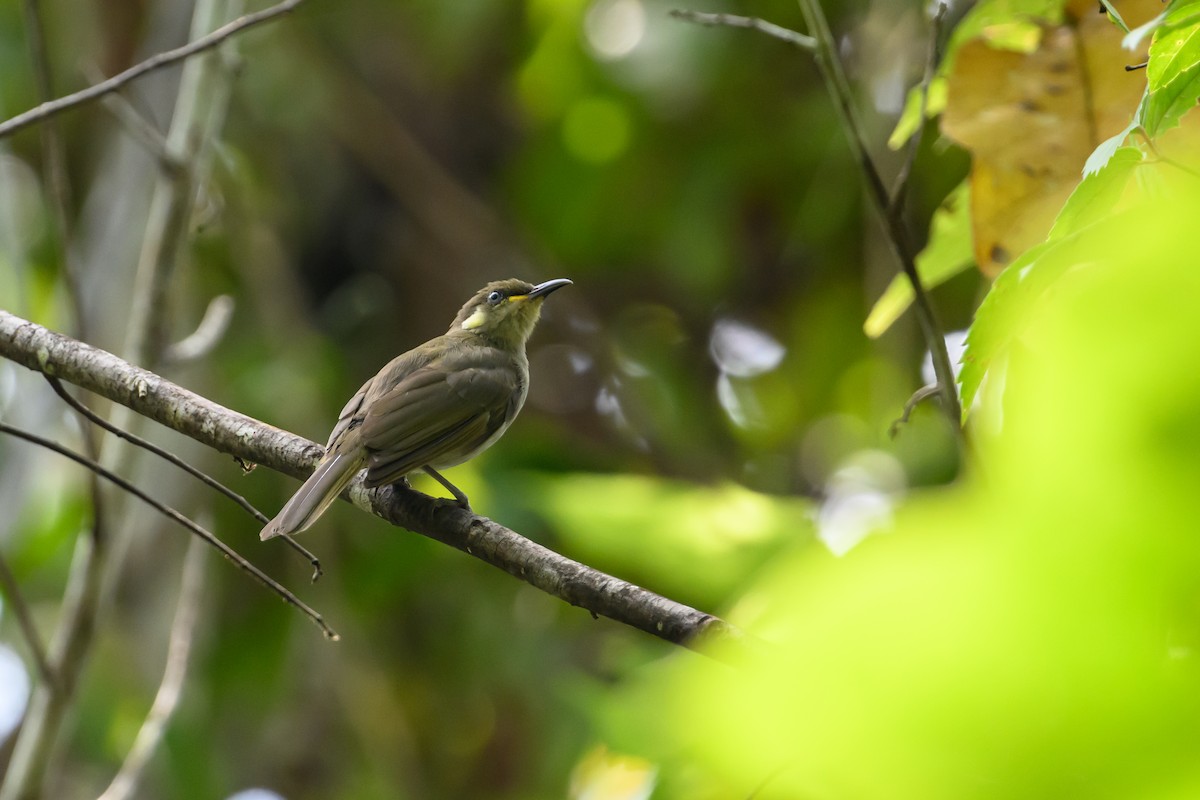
[494, 298]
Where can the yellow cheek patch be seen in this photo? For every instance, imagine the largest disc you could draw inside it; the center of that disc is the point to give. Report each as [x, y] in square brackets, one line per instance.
[475, 320]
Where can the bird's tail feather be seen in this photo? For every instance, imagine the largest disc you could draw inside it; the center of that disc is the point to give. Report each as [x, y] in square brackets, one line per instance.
[316, 495]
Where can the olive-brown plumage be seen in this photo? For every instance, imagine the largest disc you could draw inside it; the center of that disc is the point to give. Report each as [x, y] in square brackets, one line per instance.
[435, 406]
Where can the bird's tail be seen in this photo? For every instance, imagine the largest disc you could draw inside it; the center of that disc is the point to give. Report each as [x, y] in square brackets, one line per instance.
[318, 492]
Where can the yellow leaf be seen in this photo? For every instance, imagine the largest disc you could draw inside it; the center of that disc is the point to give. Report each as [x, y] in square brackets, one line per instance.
[604, 775]
[1031, 119]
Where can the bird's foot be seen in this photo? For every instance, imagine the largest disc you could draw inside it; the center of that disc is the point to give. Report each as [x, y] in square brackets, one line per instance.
[460, 498]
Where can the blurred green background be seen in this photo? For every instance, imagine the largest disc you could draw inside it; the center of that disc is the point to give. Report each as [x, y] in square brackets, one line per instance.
[706, 419]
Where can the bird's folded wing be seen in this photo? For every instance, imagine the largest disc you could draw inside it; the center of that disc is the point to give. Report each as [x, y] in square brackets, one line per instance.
[434, 416]
[347, 417]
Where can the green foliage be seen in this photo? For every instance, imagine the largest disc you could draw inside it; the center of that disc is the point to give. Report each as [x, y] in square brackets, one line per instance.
[1026, 631]
[1173, 72]
[696, 544]
[1114, 15]
[1028, 634]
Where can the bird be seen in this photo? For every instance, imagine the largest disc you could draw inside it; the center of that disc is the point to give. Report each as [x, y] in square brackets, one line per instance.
[436, 406]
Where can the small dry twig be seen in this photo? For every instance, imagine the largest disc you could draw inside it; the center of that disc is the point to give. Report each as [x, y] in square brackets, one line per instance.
[788, 35]
[174, 515]
[200, 475]
[157, 61]
[12, 592]
[918, 397]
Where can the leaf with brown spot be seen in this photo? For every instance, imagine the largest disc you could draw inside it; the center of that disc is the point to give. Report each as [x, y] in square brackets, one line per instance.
[1031, 119]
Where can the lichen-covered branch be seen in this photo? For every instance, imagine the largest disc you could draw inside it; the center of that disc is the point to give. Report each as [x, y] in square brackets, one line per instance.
[228, 431]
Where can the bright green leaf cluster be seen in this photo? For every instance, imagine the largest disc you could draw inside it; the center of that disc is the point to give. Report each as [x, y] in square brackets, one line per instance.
[1031, 633]
[1173, 72]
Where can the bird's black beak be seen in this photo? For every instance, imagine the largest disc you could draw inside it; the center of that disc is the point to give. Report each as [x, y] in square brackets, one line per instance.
[546, 287]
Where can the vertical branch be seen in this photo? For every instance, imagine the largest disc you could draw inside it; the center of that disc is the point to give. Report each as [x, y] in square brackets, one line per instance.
[72, 640]
[58, 186]
[900, 186]
[839, 88]
[12, 593]
[183, 630]
[95, 556]
[173, 198]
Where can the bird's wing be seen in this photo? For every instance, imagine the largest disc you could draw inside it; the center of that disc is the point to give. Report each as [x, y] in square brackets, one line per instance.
[348, 415]
[355, 410]
[436, 415]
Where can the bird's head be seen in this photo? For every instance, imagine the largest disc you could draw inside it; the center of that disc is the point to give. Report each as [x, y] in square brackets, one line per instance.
[506, 311]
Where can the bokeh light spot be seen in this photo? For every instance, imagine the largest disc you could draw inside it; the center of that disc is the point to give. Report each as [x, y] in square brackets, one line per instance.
[256, 794]
[614, 27]
[742, 350]
[14, 691]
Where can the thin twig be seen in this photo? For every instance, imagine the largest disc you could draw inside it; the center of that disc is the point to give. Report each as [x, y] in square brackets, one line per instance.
[12, 592]
[157, 61]
[136, 123]
[831, 71]
[200, 342]
[788, 35]
[1148, 140]
[179, 647]
[900, 186]
[918, 397]
[200, 475]
[200, 102]
[179, 518]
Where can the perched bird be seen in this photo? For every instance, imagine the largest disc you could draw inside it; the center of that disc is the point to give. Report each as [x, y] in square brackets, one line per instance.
[436, 406]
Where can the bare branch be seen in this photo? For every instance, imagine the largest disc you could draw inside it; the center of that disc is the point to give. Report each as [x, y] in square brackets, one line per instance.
[830, 67]
[166, 58]
[200, 475]
[43, 350]
[788, 35]
[12, 592]
[135, 123]
[900, 185]
[183, 630]
[179, 518]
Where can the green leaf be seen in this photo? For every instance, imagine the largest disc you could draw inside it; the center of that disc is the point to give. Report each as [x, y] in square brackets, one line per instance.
[1014, 293]
[1097, 194]
[1173, 73]
[1114, 15]
[1006, 23]
[947, 254]
[991, 330]
[910, 118]
[1107, 149]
